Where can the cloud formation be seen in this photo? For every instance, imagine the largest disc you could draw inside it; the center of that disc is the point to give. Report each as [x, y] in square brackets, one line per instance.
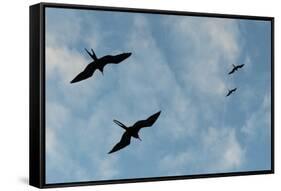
[217, 150]
[178, 65]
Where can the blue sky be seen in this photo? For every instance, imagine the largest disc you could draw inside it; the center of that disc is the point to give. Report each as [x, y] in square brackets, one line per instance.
[179, 65]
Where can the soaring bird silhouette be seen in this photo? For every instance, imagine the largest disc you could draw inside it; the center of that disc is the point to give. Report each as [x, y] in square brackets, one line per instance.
[133, 131]
[230, 92]
[98, 64]
[235, 68]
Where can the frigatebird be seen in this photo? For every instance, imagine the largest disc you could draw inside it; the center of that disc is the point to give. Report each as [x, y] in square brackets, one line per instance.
[133, 131]
[98, 64]
[235, 68]
[230, 92]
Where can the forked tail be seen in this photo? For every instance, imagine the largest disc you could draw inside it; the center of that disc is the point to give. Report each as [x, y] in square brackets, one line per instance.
[93, 55]
[120, 124]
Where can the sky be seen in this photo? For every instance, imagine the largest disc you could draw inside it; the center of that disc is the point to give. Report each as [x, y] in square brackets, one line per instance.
[179, 65]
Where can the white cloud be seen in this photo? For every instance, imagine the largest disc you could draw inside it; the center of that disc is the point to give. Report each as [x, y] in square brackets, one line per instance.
[259, 122]
[66, 28]
[65, 62]
[107, 168]
[65, 31]
[223, 147]
[62, 38]
[153, 76]
[177, 163]
[212, 46]
[216, 150]
[56, 114]
[58, 159]
[64, 160]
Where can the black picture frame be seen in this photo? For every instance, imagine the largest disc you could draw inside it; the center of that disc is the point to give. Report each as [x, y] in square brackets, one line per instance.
[37, 94]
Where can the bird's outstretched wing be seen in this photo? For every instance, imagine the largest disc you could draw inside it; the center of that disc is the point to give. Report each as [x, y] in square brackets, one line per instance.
[230, 92]
[232, 71]
[87, 72]
[240, 66]
[125, 141]
[147, 122]
[109, 59]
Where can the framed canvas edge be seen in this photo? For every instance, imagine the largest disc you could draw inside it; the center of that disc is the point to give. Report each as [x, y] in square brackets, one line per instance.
[156, 179]
[155, 11]
[35, 96]
[42, 153]
[272, 95]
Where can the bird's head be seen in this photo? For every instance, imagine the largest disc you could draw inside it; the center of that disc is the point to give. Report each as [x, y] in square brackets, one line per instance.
[138, 137]
[101, 70]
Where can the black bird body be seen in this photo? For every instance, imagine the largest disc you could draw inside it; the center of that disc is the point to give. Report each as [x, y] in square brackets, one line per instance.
[99, 64]
[235, 68]
[230, 92]
[133, 131]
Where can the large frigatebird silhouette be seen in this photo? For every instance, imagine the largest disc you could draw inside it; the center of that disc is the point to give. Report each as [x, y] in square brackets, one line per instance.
[235, 68]
[230, 92]
[98, 64]
[133, 131]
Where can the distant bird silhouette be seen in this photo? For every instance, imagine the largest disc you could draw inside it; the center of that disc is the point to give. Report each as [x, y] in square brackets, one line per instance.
[98, 64]
[230, 92]
[235, 68]
[133, 131]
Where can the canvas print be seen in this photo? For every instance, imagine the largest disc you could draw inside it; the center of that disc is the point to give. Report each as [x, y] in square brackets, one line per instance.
[142, 95]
